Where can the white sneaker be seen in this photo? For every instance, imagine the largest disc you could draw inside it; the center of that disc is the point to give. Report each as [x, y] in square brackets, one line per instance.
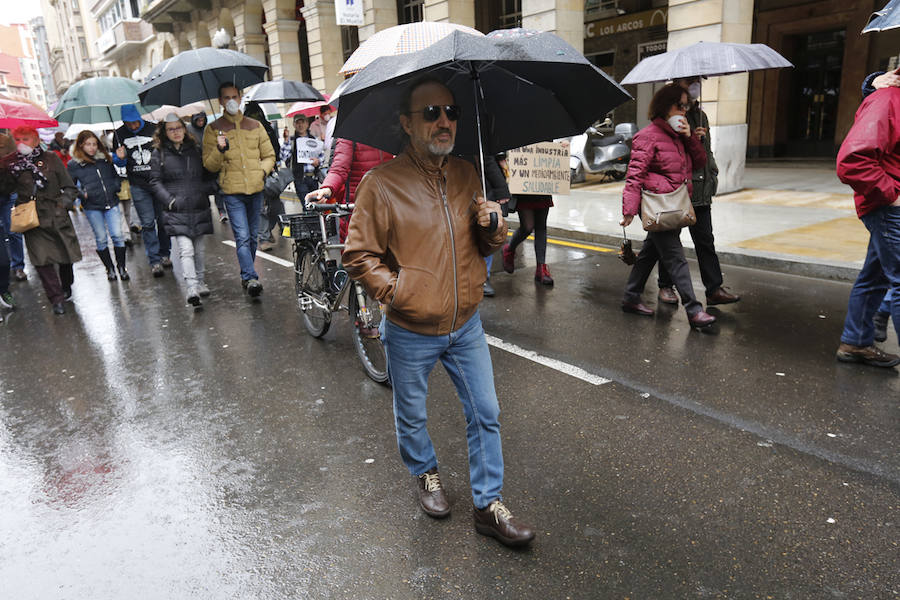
[203, 289]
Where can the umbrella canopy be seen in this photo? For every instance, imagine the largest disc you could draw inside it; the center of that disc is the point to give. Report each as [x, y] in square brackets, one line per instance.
[283, 90]
[197, 74]
[705, 58]
[400, 39]
[183, 112]
[19, 114]
[310, 109]
[886, 18]
[75, 128]
[98, 99]
[524, 88]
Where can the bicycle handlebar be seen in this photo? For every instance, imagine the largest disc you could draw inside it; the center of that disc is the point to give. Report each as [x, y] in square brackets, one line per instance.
[322, 206]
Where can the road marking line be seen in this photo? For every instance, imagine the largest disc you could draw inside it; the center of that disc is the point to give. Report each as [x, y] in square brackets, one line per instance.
[274, 259]
[569, 244]
[554, 364]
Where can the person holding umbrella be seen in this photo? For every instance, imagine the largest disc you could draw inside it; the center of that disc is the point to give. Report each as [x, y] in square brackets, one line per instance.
[417, 242]
[238, 149]
[134, 144]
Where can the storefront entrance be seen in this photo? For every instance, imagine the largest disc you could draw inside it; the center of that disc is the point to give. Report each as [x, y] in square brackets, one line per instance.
[814, 92]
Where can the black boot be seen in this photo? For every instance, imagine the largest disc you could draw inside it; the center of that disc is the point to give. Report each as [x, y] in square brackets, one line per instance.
[108, 263]
[120, 261]
[881, 322]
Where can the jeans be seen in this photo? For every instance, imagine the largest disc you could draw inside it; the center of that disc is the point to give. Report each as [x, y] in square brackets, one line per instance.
[705, 247]
[4, 261]
[150, 212]
[103, 220]
[243, 212]
[15, 243]
[880, 271]
[192, 253]
[465, 355]
[268, 218]
[665, 247]
[885, 307]
[488, 262]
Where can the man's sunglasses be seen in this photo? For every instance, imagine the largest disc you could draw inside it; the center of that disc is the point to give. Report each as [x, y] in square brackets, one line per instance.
[432, 112]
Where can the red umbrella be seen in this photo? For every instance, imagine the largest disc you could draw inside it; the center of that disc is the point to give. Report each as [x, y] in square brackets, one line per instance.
[310, 109]
[17, 114]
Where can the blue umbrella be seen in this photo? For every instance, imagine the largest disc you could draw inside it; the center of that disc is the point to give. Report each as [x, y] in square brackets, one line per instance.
[886, 18]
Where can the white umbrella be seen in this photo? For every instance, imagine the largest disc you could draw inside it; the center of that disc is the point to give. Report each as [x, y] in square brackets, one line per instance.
[401, 39]
[705, 59]
[75, 128]
[188, 110]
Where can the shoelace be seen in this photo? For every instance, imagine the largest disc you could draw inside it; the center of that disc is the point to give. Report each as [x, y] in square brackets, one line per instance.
[499, 510]
[432, 482]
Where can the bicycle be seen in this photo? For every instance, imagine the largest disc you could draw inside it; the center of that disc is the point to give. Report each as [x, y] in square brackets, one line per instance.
[321, 284]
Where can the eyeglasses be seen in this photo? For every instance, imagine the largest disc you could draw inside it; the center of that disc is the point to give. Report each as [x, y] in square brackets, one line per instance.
[684, 107]
[432, 112]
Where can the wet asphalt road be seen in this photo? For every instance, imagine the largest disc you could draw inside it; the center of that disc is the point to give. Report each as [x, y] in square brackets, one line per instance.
[151, 451]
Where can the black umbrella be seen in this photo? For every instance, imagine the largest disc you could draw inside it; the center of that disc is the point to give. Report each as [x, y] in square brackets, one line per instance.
[530, 88]
[284, 90]
[886, 18]
[197, 74]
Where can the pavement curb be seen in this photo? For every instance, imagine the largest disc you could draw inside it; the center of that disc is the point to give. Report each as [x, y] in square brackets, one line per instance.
[779, 263]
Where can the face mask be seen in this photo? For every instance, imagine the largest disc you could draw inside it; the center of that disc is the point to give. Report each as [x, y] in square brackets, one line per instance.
[694, 90]
[678, 123]
[232, 107]
[24, 149]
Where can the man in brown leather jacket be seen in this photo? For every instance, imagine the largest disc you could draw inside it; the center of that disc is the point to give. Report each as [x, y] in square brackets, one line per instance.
[417, 241]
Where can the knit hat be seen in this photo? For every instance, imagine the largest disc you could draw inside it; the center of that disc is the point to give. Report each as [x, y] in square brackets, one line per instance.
[130, 113]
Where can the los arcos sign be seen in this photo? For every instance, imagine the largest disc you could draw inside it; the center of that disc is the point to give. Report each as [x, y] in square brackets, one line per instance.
[632, 22]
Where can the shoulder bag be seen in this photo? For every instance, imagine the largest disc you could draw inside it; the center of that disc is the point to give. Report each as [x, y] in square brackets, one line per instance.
[665, 212]
[24, 217]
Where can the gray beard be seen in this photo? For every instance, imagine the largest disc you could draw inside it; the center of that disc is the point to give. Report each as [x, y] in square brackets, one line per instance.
[437, 150]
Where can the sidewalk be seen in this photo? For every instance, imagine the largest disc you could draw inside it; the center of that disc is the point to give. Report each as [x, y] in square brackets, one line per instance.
[793, 217]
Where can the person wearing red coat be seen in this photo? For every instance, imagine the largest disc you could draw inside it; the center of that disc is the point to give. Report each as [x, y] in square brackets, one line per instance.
[662, 160]
[351, 161]
[869, 162]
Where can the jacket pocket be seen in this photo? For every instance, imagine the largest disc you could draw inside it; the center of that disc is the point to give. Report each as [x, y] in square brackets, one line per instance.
[417, 295]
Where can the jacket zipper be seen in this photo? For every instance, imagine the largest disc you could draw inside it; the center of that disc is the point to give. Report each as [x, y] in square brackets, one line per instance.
[453, 250]
[105, 191]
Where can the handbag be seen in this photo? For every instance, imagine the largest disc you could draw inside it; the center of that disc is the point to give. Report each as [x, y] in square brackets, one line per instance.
[665, 212]
[24, 217]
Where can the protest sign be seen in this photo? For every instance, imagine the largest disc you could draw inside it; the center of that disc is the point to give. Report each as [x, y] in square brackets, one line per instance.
[541, 168]
[308, 149]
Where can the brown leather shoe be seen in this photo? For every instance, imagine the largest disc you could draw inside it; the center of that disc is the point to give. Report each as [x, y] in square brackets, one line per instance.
[496, 521]
[637, 308]
[432, 499]
[667, 295]
[868, 355]
[701, 319]
[721, 296]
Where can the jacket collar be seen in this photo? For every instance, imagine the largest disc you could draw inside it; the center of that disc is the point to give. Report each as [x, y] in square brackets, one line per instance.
[236, 119]
[425, 166]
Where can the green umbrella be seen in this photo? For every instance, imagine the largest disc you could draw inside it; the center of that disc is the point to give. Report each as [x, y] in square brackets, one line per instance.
[99, 99]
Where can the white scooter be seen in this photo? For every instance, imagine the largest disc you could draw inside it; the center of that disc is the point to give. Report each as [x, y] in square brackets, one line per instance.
[596, 153]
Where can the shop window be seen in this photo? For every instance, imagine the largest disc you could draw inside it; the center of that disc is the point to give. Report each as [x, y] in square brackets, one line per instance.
[349, 40]
[603, 60]
[510, 14]
[410, 11]
[497, 14]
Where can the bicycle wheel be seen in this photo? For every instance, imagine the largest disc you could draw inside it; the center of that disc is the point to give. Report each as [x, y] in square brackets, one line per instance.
[309, 281]
[366, 338]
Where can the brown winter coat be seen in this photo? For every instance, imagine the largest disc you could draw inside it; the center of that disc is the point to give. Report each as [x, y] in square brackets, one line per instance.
[54, 241]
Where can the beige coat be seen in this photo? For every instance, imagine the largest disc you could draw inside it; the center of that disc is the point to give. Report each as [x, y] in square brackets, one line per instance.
[243, 167]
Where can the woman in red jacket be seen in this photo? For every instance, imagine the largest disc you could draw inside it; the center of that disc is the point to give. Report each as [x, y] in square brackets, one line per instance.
[662, 160]
[351, 161]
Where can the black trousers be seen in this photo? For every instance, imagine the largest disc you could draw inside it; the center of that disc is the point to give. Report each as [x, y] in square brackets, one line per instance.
[4, 262]
[705, 247]
[663, 247]
[56, 283]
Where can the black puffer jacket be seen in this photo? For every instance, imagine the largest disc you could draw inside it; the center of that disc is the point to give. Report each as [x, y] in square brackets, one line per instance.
[99, 181]
[180, 182]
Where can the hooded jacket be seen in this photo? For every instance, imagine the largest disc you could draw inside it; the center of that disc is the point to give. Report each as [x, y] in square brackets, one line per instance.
[869, 158]
[100, 184]
[661, 161]
[181, 184]
[415, 245]
[243, 167]
[197, 132]
[138, 147]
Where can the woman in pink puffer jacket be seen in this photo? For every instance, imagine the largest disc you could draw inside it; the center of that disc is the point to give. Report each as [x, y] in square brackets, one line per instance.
[662, 160]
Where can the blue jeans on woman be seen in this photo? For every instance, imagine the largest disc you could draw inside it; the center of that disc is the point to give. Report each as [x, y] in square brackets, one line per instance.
[880, 272]
[465, 355]
[103, 221]
[243, 213]
[150, 212]
[15, 243]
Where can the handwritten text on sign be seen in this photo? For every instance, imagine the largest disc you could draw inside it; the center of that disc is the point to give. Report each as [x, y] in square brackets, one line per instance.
[541, 168]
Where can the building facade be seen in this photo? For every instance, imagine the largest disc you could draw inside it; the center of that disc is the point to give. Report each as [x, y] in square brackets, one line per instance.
[71, 37]
[799, 112]
[18, 45]
[42, 49]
